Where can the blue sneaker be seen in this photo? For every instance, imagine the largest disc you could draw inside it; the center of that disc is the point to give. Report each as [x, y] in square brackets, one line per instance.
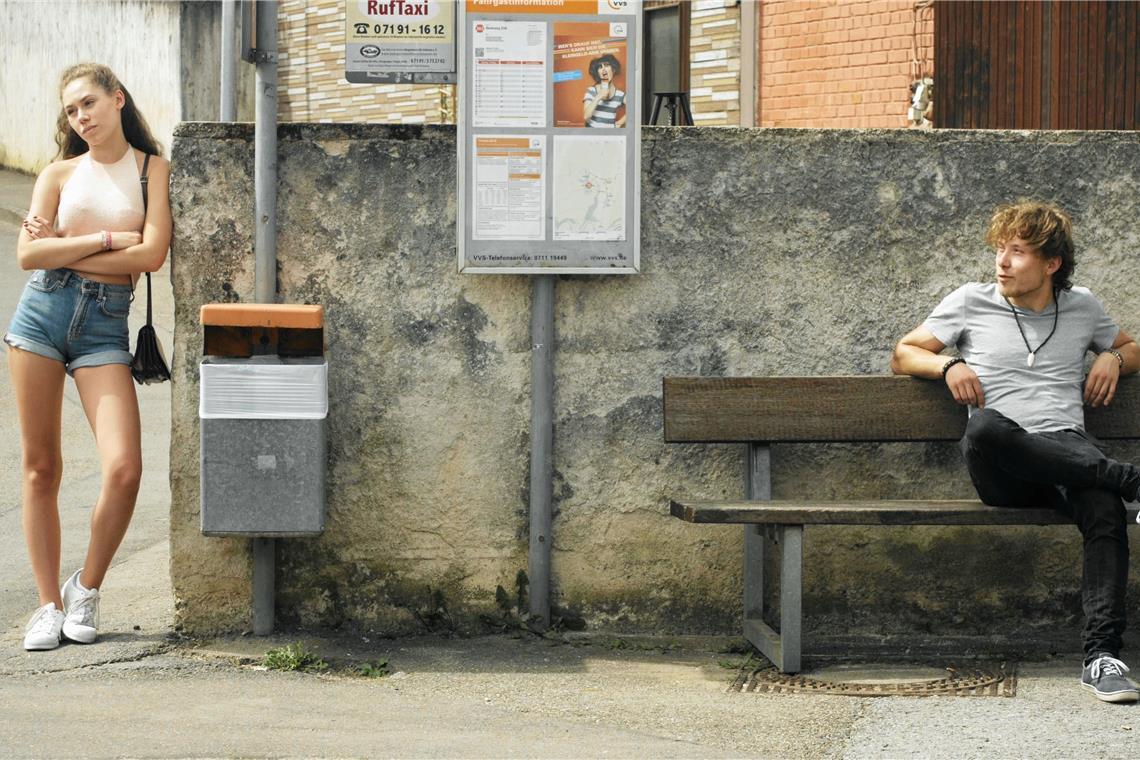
[1104, 677]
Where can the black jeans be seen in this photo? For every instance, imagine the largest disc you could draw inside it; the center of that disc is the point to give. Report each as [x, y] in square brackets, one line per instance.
[1065, 470]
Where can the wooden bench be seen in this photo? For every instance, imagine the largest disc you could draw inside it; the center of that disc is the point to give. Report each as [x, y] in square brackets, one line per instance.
[761, 411]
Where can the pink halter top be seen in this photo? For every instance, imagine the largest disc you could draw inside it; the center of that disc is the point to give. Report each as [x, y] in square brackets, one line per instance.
[101, 197]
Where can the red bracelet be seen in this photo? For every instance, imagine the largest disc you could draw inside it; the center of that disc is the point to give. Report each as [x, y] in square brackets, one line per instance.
[106, 240]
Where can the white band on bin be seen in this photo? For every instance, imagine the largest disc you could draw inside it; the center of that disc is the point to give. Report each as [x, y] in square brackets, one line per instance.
[264, 391]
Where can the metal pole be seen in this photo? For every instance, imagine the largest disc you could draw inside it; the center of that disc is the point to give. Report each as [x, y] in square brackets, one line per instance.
[265, 154]
[541, 444]
[228, 107]
[264, 560]
[265, 257]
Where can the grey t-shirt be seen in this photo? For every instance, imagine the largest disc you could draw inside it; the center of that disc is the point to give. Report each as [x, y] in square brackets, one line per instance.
[977, 320]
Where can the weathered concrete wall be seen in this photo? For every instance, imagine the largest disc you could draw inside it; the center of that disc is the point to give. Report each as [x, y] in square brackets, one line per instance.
[764, 252]
[166, 53]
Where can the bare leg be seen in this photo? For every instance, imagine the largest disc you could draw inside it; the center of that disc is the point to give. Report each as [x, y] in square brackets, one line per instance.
[108, 395]
[38, 386]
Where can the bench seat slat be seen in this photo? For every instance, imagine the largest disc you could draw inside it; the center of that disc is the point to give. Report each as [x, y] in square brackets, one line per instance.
[863, 408]
[897, 512]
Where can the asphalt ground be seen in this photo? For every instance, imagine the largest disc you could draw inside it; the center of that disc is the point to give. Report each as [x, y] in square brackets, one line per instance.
[142, 691]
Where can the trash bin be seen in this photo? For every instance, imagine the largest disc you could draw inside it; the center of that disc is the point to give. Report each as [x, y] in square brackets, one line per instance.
[263, 408]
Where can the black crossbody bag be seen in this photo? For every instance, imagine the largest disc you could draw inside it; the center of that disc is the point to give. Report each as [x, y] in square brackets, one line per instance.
[149, 362]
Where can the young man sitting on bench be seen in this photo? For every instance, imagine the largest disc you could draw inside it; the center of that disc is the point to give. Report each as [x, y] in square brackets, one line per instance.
[1022, 343]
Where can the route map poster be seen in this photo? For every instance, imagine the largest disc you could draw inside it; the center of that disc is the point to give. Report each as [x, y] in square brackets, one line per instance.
[589, 189]
[549, 137]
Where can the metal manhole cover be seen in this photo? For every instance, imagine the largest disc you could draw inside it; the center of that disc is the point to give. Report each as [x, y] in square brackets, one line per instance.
[976, 680]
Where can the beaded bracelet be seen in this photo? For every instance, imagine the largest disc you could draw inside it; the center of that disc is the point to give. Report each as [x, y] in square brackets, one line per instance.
[1119, 358]
[946, 367]
[106, 240]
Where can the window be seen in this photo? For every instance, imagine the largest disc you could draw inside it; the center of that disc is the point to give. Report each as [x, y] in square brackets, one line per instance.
[665, 62]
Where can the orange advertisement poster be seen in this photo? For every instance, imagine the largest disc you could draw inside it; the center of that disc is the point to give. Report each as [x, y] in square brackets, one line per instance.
[591, 78]
[576, 7]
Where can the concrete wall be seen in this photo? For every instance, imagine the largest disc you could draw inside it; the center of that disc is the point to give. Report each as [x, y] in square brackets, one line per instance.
[165, 53]
[778, 252]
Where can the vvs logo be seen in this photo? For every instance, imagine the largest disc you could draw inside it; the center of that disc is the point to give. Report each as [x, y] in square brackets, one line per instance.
[370, 51]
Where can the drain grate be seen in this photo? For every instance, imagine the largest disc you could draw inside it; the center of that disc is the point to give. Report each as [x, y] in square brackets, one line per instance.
[978, 680]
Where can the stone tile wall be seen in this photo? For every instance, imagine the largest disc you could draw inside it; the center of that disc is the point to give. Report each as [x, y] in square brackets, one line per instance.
[311, 83]
[714, 63]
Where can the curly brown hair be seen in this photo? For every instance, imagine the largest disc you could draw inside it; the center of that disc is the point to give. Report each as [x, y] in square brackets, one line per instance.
[1043, 226]
[135, 128]
[603, 60]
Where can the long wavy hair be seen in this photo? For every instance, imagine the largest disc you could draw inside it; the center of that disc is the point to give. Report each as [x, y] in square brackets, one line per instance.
[135, 128]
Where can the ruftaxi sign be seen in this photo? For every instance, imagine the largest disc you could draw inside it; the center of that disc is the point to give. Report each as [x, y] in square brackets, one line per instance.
[399, 41]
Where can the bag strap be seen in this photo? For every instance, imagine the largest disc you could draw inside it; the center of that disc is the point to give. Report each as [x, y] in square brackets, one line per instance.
[143, 179]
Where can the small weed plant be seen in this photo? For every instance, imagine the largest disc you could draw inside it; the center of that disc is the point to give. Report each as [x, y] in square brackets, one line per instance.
[294, 657]
[377, 669]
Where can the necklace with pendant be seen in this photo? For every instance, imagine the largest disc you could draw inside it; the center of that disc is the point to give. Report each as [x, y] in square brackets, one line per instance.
[1031, 359]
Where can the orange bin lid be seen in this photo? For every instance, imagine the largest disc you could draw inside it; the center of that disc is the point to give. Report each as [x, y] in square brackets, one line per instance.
[301, 316]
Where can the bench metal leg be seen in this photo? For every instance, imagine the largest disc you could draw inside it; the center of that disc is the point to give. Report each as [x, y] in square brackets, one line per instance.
[783, 648]
[791, 596]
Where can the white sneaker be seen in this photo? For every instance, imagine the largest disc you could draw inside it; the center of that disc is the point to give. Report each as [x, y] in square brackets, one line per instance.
[42, 631]
[82, 610]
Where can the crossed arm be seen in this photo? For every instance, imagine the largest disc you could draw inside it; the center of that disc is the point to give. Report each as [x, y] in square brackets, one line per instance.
[131, 252]
[918, 354]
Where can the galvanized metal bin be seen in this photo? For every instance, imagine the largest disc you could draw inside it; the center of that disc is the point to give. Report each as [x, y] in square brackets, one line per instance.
[263, 420]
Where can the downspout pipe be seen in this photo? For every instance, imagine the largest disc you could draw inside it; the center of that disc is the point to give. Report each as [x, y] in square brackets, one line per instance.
[227, 109]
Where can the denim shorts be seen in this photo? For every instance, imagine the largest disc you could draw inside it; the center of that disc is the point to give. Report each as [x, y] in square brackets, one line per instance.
[80, 322]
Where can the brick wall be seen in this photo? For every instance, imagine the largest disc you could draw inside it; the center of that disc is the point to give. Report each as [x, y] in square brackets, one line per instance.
[311, 84]
[714, 63]
[840, 64]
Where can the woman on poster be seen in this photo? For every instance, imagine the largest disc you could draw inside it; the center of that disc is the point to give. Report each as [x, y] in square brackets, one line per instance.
[602, 101]
[87, 237]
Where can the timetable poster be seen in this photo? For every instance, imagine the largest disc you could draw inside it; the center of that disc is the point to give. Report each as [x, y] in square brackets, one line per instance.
[590, 74]
[509, 64]
[509, 192]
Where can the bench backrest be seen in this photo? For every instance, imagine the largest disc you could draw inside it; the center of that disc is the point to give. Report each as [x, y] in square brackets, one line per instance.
[861, 408]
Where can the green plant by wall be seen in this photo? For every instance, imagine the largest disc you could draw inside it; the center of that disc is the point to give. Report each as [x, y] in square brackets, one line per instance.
[375, 669]
[295, 657]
